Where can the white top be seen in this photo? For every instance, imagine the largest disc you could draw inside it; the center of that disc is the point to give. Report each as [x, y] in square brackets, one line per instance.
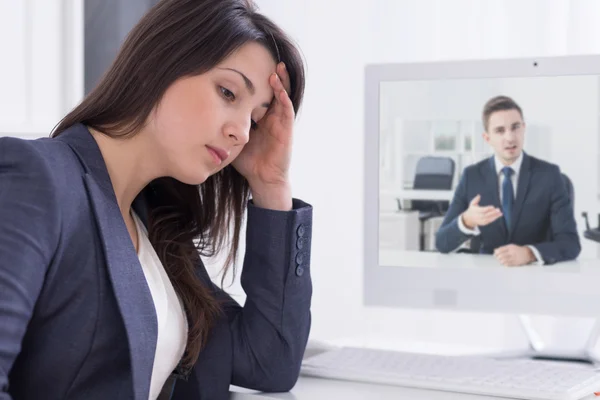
[170, 314]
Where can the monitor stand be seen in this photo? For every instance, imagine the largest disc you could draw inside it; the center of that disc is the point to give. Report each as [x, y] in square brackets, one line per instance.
[538, 351]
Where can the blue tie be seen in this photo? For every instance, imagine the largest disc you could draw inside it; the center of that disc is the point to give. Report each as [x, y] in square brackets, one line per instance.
[507, 195]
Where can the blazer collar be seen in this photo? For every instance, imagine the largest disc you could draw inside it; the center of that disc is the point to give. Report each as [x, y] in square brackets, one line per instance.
[81, 141]
[124, 270]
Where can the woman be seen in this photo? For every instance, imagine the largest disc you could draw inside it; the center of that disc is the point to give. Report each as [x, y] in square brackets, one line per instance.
[102, 291]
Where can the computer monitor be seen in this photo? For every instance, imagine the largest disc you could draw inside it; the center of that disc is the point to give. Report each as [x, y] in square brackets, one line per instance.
[434, 111]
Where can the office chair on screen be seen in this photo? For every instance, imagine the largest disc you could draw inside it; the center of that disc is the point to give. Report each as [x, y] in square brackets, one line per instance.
[592, 234]
[432, 173]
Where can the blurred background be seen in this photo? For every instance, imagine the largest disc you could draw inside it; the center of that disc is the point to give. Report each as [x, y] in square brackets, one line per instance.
[53, 51]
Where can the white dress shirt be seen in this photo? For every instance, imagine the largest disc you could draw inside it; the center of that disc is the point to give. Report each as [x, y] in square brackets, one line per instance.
[516, 166]
[170, 315]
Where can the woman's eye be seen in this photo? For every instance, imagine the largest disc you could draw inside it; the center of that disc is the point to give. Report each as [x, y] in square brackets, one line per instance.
[227, 93]
[253, 124]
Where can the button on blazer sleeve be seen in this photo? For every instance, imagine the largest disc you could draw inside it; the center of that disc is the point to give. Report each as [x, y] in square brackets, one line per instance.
[270, 331]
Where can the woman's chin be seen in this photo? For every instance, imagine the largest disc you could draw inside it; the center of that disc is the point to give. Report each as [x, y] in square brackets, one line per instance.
[193, 179]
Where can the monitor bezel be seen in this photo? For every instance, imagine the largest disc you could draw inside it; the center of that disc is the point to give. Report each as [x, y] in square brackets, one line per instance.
[546, 290]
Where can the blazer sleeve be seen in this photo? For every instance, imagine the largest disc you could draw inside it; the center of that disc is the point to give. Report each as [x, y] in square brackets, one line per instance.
[449, 236]
[564, 244]
[29, 231]
[270, 331]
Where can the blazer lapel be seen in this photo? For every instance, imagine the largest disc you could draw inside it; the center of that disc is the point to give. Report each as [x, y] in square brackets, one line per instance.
[127, 278]
[490, 178]
[491, 184]
[522, 188]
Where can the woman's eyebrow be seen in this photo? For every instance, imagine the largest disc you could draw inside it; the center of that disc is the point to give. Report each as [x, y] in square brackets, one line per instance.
[248, 83]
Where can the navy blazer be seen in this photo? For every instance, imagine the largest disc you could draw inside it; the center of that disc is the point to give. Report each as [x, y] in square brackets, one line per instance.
[542, 214]
[77, 320]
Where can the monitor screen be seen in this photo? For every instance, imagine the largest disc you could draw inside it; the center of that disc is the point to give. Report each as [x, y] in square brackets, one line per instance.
[432, 132]
[485, 171]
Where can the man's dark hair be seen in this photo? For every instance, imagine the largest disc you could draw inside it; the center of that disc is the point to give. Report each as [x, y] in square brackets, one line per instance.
[498, 103]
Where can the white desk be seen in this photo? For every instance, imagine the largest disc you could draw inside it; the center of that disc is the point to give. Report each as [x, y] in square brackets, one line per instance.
[317, 389]
[309, 388]
[399, 230]
[403, 258]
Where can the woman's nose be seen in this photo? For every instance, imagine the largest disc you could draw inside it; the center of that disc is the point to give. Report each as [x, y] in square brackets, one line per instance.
[238, 132]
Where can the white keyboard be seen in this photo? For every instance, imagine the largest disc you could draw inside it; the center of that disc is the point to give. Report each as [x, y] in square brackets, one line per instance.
[512, 378]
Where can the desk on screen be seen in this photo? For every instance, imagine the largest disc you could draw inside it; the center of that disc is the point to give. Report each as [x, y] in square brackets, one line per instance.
[412, 259]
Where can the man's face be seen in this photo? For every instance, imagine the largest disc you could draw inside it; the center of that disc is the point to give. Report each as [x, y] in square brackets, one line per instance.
[505, 133]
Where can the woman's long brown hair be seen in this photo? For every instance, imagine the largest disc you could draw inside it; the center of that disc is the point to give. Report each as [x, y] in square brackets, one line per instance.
[175, 39]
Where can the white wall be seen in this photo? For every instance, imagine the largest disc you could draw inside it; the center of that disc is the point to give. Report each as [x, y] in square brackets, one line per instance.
[41, 68]
[338, 39]
[41, 78]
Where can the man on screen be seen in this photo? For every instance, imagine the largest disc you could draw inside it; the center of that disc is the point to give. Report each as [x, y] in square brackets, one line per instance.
[517, 206]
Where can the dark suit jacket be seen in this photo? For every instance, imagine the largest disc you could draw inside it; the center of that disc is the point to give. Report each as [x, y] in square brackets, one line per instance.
[542, 214]
[77, 320]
